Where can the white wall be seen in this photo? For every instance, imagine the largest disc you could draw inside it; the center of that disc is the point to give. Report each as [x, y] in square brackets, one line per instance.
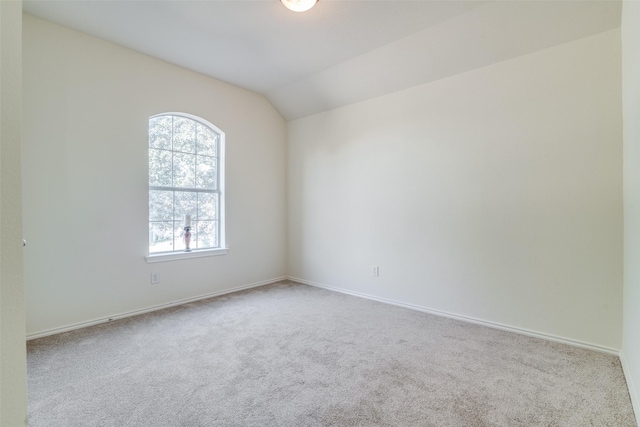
[86, 109]
[630, 354]
[495, 194]
[13, 368]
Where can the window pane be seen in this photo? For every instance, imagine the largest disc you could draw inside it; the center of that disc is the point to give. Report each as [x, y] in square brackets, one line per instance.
[159, 167]
[206, 140]
[206, 174]
[207, 234]
[183, 155]
[184, 134]
[184, 172]
[160, 132]
[186, 204]
[160, 236]
[207, 206]
[160, 205]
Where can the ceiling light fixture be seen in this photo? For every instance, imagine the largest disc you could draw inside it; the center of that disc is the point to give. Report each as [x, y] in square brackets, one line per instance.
[299, 5]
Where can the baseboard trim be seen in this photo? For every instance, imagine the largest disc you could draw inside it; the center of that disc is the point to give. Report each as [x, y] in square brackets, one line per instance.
[494, 325]
[633, 394]
[107, 319]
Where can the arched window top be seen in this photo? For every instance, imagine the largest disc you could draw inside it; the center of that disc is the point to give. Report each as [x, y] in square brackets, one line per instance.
[184, 133]
[186, 194]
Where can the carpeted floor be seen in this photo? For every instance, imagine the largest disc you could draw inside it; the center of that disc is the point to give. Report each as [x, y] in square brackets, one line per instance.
[293, 355]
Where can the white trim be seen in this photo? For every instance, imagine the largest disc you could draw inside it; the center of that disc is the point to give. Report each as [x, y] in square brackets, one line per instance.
[173, 256]
[222, 161]
[633, 394]
[80, 325]
[495, 325]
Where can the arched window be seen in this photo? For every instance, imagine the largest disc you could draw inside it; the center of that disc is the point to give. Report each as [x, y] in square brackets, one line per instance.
[186, 184]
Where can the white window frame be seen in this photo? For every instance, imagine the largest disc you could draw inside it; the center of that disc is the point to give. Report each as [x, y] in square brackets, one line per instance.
[222, 248]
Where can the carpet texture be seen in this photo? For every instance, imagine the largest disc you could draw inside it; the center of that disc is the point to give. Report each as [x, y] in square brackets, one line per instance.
[293, 355]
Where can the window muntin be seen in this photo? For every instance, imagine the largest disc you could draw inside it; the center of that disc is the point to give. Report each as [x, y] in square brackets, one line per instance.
[185, 163]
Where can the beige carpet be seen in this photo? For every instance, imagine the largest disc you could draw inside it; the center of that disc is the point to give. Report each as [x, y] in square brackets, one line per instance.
[293, 355]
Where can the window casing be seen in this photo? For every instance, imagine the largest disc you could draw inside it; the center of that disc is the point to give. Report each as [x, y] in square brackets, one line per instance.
[186, 177]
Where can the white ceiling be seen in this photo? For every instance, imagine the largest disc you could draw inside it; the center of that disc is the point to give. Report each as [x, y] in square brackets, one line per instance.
[338, 53]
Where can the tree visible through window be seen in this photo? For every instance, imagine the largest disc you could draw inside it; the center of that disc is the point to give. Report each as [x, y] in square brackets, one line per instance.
[184, 180]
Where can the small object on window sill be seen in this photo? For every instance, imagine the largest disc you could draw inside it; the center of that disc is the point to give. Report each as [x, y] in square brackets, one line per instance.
[187, 239]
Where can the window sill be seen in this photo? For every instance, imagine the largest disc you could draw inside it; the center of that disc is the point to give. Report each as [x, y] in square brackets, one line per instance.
[173, 256]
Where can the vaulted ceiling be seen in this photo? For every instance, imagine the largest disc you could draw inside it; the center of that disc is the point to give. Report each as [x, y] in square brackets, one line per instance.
[339, 52]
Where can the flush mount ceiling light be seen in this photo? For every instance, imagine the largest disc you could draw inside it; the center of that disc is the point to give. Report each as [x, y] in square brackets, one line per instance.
[299, 5]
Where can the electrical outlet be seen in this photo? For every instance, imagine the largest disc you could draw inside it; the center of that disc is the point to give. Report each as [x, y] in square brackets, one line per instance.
[154, 278]
[375, 271]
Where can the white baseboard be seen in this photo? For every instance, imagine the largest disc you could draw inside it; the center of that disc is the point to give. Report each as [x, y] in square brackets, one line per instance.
[148, 309]
[633, 393]
[494, 325]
